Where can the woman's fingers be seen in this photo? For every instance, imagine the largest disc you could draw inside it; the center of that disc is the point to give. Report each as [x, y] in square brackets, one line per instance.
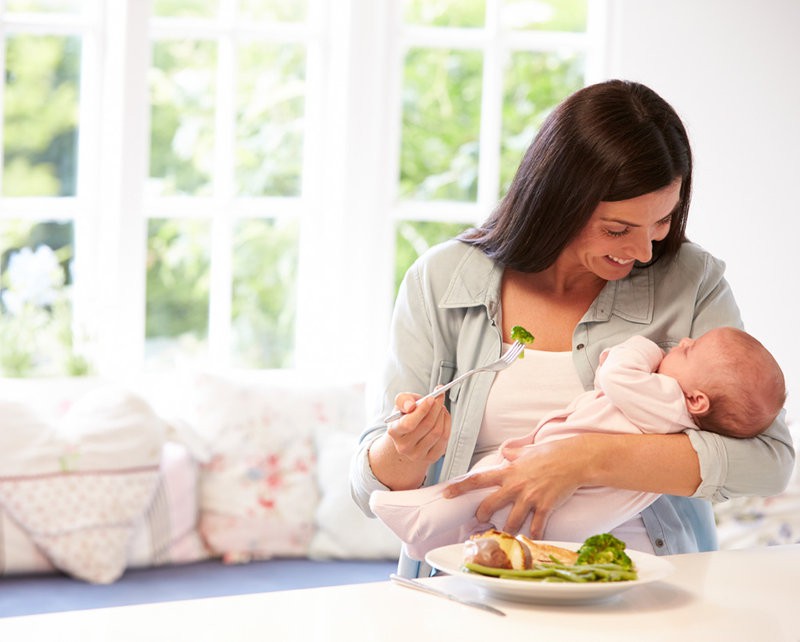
[482, 479]
[539, 523]
[532, 480]
[422, 433]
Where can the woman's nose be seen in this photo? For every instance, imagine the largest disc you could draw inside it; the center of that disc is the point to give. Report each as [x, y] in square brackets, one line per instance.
[642, 249]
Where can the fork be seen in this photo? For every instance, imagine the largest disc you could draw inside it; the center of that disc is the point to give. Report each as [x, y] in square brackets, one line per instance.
[502, 363]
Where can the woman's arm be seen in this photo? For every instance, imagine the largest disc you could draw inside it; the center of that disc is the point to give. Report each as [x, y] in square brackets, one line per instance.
[636, 462]
[732, 467]
[397, 457]
[542, 477]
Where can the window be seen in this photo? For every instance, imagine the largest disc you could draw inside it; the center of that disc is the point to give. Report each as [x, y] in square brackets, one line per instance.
[244, 182]
[43, 46]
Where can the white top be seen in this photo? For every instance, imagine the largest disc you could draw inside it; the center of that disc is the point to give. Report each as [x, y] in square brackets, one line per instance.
[522, 395]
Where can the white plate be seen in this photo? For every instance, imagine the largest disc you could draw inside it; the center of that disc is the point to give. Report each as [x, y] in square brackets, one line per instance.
[450, 559]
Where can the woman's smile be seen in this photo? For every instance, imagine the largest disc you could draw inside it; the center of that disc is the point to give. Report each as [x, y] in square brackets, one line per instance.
[620, 261]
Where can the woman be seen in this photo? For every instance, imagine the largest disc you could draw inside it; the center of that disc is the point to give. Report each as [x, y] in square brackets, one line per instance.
[587, 249]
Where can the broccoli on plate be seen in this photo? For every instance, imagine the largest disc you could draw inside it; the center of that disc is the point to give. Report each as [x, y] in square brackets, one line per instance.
[604, 549]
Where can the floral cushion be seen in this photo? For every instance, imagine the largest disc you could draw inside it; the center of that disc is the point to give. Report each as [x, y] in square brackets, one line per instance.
[258, 491]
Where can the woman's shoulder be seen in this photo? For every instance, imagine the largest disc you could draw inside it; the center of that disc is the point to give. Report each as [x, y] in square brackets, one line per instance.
[454, 257]
[456, 273]
[692, 259]
[452, 251]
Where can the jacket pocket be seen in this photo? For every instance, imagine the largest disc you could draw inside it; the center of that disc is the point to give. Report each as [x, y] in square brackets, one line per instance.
[447, 372]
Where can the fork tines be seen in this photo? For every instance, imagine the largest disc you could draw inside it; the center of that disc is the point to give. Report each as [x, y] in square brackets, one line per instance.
[513, 352]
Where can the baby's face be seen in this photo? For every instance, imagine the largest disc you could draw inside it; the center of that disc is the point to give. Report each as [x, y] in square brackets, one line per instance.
[690, 360]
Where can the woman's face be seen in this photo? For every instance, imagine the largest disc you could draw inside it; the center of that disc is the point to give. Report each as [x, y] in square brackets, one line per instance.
[622, 232]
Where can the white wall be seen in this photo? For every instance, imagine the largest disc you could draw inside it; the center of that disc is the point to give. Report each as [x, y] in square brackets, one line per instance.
[731, 68]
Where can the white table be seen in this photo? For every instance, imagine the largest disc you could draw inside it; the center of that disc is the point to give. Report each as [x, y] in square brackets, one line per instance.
[750, 595]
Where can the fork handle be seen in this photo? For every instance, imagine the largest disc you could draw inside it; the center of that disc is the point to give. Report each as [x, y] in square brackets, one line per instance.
[436, 393]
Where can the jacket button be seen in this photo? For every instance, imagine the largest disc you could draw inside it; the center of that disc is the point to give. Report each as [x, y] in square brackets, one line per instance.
[659, 543]
[580, 346]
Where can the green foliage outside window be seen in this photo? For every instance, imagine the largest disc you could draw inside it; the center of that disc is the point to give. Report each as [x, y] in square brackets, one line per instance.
[178, 273]
[264, 292]
[270, 101]
[441, 125]
[183, 95]
[534, 83]
[545, 15]
[36, 333]
[445, 13]
[40, 115]
[185, 8]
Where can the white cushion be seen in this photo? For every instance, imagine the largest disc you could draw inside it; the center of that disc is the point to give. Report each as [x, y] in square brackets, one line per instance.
[77, 485]
[343, 531]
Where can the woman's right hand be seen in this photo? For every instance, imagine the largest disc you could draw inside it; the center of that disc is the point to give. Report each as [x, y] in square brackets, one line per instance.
[422, 433]
[400, 458]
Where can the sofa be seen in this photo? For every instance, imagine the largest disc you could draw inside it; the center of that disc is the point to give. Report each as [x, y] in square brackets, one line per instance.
[179, 486]
[202, 484]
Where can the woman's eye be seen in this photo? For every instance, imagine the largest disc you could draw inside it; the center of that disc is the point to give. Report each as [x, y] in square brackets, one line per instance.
[666, 220]
[617, 233]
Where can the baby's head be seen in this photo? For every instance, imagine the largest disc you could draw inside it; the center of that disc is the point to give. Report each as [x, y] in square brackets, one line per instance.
[732, 384]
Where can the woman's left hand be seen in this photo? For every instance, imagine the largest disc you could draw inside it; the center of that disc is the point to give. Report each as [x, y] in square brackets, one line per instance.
[535, 479]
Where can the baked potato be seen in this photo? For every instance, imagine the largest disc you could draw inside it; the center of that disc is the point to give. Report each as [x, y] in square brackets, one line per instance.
[498, 549]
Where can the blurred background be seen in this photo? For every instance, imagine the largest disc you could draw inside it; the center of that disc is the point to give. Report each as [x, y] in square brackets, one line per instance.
[242, 183]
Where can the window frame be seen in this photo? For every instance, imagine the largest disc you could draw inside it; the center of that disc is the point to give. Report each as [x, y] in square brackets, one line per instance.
[348, 206]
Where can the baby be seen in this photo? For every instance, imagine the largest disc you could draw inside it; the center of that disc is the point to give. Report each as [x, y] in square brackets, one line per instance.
[725, 382]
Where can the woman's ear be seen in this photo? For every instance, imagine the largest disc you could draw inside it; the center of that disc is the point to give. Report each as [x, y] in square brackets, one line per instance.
[698, 403]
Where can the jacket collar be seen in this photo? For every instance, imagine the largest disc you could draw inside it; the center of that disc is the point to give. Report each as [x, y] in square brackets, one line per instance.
[476, 281]
[631, 298]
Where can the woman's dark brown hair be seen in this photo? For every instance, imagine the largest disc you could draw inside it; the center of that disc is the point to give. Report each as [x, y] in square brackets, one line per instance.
[607, 142]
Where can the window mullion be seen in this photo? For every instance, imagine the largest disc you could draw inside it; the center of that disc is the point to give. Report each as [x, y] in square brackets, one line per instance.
[119, 305]
[221, 286]
[87, 243]
[491, 111]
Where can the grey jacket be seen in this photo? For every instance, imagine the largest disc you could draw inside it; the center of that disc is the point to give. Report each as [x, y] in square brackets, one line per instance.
[447, 321]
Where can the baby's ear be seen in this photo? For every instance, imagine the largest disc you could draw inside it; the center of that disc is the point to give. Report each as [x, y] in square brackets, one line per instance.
[698, 403]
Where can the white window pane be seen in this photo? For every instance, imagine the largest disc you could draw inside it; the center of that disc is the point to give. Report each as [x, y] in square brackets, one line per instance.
[178, 272]
[534, 83]
[185, 8]
[269, 119]
[48, 6]
[274, 10]
[441, 124]
[40, 115]
[36, 329]
[446, 13]
[264, 293]
[546, 15]
[183, 91]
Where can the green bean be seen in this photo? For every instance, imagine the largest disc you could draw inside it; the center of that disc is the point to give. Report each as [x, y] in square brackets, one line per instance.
[557, 572]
